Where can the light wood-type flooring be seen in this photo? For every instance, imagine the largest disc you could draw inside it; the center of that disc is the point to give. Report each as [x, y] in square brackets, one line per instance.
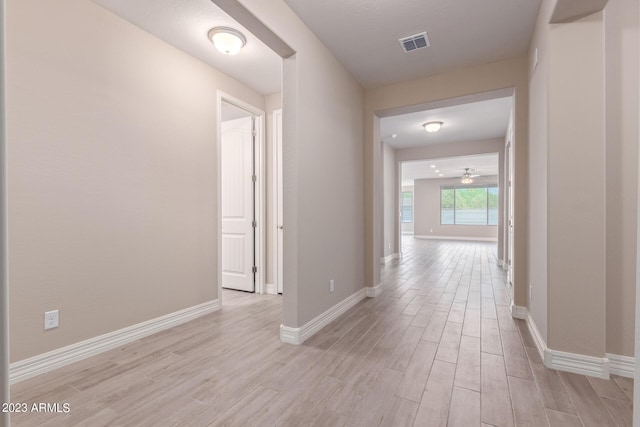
[438, 347]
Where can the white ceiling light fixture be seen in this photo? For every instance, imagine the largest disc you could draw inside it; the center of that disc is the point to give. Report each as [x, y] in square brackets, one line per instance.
[433, 166]
[432, 127]
[227, 40]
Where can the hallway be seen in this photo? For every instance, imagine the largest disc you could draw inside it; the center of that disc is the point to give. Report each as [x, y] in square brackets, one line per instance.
[438, 347]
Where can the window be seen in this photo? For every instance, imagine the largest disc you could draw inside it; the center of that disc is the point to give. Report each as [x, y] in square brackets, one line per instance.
[406, 208]
[469, 205]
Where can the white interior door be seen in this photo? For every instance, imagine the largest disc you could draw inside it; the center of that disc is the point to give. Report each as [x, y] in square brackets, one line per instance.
[279, 220]
[237, 208]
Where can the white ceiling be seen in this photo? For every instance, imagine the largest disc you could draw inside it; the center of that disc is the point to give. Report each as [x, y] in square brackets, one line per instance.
[452, 167]
[185, 24]
[467, 122]
[363, 34]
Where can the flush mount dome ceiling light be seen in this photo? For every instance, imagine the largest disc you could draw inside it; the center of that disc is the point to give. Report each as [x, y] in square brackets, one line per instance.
[227, 40]
[432, 127]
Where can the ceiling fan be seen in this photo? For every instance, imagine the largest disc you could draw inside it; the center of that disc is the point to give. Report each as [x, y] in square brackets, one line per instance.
[466, 177]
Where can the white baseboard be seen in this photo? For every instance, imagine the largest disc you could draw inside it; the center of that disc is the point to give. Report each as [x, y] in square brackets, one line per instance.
[299, 335]
[577, 363]
[621, 365]
[374, 291]
[472, 239]
[569, 362]
[518, 311]
[389, 258]
[271, 289]
[60, 357]
[541, 345]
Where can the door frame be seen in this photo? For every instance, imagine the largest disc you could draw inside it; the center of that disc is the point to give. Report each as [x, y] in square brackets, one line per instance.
[277, 211]
[259, 243]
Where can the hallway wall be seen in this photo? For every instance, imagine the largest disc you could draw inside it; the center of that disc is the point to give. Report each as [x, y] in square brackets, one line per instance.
[323, 170]
[582, 259]
[112, 173]
[622, 115]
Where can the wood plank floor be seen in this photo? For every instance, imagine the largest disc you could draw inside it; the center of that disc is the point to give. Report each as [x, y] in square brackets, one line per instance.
[437, 348]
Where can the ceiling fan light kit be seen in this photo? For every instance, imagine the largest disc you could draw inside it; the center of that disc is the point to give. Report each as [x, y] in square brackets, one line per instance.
[466, 177]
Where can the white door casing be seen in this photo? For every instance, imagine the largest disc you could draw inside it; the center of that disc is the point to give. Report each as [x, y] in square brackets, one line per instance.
[277, 119]
[510, 217]
[237, 204]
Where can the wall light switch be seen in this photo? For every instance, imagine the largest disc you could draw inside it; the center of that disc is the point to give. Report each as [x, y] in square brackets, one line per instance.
[332, 285]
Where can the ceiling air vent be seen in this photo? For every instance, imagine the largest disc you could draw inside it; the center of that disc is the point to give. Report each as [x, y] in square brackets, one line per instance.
[416, 41]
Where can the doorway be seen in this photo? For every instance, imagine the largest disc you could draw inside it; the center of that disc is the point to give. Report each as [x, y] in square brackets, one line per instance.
[241, 198]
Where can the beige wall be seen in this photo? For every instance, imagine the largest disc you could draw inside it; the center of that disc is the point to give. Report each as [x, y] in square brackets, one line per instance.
[510, 73]
[583, 227]
[537, 251]
[272, 102]
[111, 163]
[323, 170]
[576, 202]
[621, 81]
[427, 211]
[391, 216]
[4, 292]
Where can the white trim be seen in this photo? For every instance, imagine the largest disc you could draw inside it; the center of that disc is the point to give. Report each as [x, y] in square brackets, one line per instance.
[577, 363]
[297, 336]
[278, 258]
[621, 365]
[60, 357]
[290, 335]
[374, 291]
[389, 258]
[569, 362]
[271, 289]
[541, 345]
[518, 311]
[472, 239]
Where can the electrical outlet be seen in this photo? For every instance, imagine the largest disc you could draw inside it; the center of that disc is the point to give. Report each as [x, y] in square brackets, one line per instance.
[332, 286]
[50, 319]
